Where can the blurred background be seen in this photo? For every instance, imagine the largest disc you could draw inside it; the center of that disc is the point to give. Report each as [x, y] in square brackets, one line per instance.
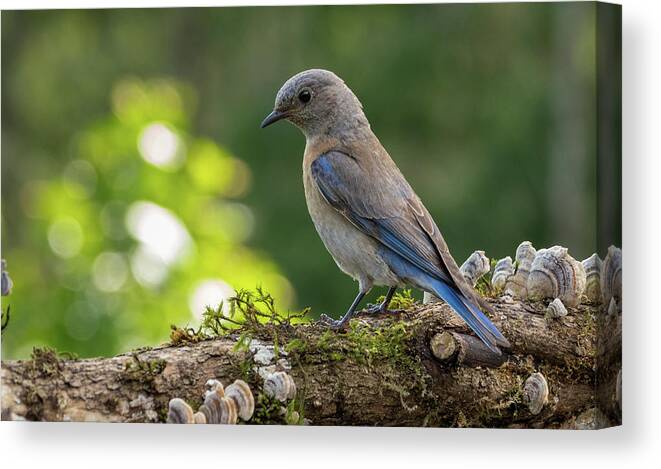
[137, 186]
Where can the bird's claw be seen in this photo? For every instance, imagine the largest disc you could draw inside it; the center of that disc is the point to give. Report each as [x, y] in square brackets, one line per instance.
[379, 309]
[332, 323]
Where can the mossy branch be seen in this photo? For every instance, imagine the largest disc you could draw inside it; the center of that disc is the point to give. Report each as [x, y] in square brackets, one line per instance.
[382, 370]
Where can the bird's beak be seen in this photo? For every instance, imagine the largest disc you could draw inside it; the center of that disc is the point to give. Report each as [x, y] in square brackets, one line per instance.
[275, 116]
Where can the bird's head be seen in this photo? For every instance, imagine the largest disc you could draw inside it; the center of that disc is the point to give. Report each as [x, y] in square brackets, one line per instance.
[315, 101]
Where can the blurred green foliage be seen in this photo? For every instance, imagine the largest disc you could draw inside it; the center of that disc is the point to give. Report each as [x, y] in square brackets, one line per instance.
[111, 117]
[138, 230]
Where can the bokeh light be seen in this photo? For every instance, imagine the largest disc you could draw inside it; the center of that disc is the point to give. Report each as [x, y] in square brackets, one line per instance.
[209, 292]
[110, 271]
[65, 237]
[159, 230]
[160, 146]
[147, 268]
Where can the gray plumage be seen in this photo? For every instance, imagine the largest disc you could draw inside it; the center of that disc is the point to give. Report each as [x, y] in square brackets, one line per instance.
[369, 218]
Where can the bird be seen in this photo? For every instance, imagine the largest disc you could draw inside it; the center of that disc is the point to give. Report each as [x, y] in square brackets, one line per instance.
[367, 215]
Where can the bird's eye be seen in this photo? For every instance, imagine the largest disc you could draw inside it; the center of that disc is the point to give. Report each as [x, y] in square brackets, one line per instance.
[304, 96]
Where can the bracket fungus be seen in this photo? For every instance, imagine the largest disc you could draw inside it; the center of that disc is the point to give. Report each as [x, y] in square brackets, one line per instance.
[213, 385]
[592, 266]
[611, 275]
[503, 270]
[536, 393]
[517, 284]
[613, 308]
[240, 393]
[280, 386]
[219, 410]
[475, 267]
[179, 412]
[221, 406]
[555, 274]
[556, 309]
[199, 417]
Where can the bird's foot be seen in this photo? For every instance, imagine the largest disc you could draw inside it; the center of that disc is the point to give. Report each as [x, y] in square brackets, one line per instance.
[379, 309]
[332, 323]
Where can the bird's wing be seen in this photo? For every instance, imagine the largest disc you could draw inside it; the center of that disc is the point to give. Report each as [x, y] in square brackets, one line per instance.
[426, 222]
[379, 204]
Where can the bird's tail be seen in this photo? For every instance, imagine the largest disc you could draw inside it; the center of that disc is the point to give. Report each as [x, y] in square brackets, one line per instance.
[466, 308]
[470, 313]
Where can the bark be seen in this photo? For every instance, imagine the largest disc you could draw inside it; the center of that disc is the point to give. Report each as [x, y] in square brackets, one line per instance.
[383, 371]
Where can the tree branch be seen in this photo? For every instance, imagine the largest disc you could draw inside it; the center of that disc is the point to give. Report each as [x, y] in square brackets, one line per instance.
[421, 367]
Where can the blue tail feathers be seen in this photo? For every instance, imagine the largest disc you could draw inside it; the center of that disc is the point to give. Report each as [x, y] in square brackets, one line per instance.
[500, 339]
[468, 311]
[475, 318]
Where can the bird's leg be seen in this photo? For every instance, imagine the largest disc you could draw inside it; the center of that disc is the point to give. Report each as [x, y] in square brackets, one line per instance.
[337, 324]
[383, 307]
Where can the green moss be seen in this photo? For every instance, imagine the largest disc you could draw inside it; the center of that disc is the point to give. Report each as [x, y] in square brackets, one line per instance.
[45, 361]
[144, 371]
[185, 335]
[295, 412]
[483, 285]
[268, 411]
[296, 345]
[255, 311]
[361, 343]
[243, 343]
[387, 350]
[48, 361]
[400, 300]
[251, 312]
[68, 355]
[390, 344]
[387, 343]
[512, 398]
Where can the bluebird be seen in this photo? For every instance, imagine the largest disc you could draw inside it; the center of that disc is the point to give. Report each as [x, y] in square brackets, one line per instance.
[369, 218]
